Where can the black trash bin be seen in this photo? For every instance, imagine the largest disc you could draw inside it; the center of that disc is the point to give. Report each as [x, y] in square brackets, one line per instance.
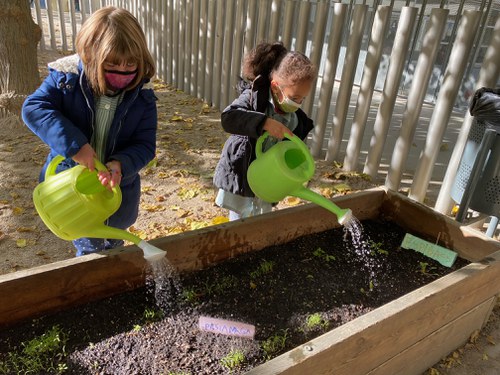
[477, 184]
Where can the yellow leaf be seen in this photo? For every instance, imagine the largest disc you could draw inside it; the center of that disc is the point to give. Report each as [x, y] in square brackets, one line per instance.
[14, 195]
[187, 194]
[21, 243]
[18, 210]
[342, 188]
[41, 253]
[490, 340]
[327, 191]
[176, 118]
[25, 229]
[152, 208]
[485, 357]
[198, 225]
[153, 163]
[291, 201]
[219, 220]
[253, 285]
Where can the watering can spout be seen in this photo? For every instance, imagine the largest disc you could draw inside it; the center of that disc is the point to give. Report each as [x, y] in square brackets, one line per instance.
[151, 253]
[343, 215]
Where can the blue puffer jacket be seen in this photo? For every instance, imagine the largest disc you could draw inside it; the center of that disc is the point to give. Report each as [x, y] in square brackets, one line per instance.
[61, 112]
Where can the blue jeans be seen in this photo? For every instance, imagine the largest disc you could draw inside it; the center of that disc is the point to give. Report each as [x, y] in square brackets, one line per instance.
[86, 246]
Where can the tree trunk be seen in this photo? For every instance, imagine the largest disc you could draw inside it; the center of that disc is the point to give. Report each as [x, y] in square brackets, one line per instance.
[19, 36]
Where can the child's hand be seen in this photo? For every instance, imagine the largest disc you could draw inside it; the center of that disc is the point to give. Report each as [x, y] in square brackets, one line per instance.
[276, 129]
[85, 156]
[113, 176]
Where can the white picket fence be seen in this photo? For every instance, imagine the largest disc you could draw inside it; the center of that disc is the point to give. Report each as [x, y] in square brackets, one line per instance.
[388, 73]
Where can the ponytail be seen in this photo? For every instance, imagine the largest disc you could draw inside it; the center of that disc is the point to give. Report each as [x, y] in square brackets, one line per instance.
[263, 60]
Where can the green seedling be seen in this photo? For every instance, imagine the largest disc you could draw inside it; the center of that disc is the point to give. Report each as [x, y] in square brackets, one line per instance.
[376, 247]
[137, 328]
[233, 360]
[225, 283]
[265, 267]
[316, 321]
[275, 343]
[426, 269]
[321, 254]
[189, 295]
[41, 355]
[152, 315]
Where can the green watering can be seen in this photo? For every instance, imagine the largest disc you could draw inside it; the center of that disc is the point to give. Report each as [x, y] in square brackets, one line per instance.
[282, 171]
[74, 204]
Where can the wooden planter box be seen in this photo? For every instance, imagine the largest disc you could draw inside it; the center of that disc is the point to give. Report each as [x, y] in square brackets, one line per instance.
[405, 336]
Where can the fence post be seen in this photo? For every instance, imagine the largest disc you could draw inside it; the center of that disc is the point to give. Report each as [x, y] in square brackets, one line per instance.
[363, 104]
[488, 76]
[251, 23]
[347, 80]
[227, 74]
[239, 32]
[328, 79]
[219, 35]
[416, 96]
[391, 86]
[275, 20]
[286, 37]
[303, 29]
[444, 103]
[321, 16]
[209, 63]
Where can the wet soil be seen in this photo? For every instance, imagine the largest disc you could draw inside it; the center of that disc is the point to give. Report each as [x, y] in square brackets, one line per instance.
[291, 293]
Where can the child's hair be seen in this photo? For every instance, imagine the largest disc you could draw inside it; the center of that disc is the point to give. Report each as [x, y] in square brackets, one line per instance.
[273, 60]
[113, 35]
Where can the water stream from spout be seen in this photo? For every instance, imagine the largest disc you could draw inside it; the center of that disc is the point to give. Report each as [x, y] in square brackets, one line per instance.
[354, 228]
[163, 282]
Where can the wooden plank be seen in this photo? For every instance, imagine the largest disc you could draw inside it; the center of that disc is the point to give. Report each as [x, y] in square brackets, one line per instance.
[41, 290]
[439, 344]
[424, 221]
[372, 339]
[195, 250]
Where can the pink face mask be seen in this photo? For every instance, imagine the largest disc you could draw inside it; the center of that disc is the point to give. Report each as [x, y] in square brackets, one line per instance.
[118, 80]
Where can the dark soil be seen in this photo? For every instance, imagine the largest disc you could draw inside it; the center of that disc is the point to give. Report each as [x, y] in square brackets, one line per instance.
[290, 293]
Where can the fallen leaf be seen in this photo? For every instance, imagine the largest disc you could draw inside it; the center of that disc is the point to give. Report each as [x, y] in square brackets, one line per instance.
[21, 243]
[474, 336]
[219, 220]
[176, 118]
[342, 188]
[25, 229]
[291, 201]
[18, 210]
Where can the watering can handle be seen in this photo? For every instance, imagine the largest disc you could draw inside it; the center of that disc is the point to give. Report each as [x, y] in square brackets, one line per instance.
[295, 139]
[51, 168]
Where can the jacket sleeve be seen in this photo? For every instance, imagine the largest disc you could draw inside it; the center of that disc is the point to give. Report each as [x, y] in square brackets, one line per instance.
[239, 117]
[140, 149]
[42, 113]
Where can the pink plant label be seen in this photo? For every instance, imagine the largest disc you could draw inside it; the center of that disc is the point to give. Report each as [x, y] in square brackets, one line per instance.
[226, 327]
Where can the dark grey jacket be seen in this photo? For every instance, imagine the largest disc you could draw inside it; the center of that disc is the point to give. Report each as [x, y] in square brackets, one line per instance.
[244, 119]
